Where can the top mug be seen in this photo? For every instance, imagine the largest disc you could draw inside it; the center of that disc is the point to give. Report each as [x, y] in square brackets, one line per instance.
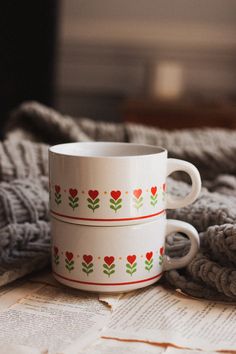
[106, 183]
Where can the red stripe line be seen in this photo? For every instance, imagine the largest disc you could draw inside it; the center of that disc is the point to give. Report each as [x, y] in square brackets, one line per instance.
[118, 219]
[107, 284]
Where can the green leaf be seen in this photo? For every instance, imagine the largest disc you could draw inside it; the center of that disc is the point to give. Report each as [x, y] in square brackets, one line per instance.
[69, 267]
[106, 272]
[112, 271]
[72, 205]
[112, 266]
[69, 263]
[90, 265]
[146, 262]
[106, 266]
[151, 261]
[96, 206]
[140, 200]
[134, 265]
[118, 207]
[147, 268]
[96, 201]
[133, 271]
[128, 266]
[84, 270]
[90, 271]
[138, 206]
[76, 205]
[84, 264]
[90, 200]
[71, 199]
[154, 197]
[90, 207]
[119, 201]
[112, 201]
[76, 199]
[128, 271]
[112, 207]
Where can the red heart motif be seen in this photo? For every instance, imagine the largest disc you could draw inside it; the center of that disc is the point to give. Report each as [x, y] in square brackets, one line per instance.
[153, 190]
[149, 255]
[57, 188]
[93, 194]
[131, 259]
[164, 187]
[87, 258]
[162, 251]
[55, 250]
[109, 260]
[115, 194]
[137, 193]
[73, 192]
[69, 256]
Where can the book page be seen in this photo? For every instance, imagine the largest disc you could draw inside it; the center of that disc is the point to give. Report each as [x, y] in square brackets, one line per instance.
[53, 320]
[13, 292]
[106, 346]
[158, 315]
[18, 349]
[171, 350]
[110, 300]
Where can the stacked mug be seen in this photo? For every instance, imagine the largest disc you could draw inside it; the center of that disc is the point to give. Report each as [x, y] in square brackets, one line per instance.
[108, 206]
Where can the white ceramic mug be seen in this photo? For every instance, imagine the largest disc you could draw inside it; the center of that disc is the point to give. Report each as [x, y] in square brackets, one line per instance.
[115, 258]
[103, 183]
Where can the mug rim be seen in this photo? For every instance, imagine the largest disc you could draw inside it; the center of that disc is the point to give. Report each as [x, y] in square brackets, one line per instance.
[143, 150]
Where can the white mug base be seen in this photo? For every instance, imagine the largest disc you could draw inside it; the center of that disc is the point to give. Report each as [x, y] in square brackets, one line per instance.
[108, 259]
[115, 259]
[109, 289]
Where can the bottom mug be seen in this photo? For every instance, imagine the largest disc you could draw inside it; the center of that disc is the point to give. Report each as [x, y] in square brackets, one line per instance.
[115, 258]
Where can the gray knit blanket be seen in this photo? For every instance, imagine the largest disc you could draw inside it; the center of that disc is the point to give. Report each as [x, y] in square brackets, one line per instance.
[24, 212]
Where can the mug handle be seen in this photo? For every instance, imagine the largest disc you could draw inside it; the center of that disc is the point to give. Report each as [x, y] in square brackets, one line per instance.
[180, 165]
[191, 232]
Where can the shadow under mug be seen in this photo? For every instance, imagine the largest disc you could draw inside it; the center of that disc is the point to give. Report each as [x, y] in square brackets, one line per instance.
[109, 184]
[116, 258]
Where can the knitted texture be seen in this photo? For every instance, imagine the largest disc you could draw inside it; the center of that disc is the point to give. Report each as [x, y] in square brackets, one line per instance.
[24, 226]
[212, 273]
[22, 160]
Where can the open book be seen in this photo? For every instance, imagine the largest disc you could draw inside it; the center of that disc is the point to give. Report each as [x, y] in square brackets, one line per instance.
[38, 315]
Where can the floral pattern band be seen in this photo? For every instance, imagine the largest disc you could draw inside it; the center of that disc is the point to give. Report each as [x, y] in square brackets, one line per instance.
[73, 201]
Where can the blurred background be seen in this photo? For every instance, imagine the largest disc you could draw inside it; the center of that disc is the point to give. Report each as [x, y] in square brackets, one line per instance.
[165, 63]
